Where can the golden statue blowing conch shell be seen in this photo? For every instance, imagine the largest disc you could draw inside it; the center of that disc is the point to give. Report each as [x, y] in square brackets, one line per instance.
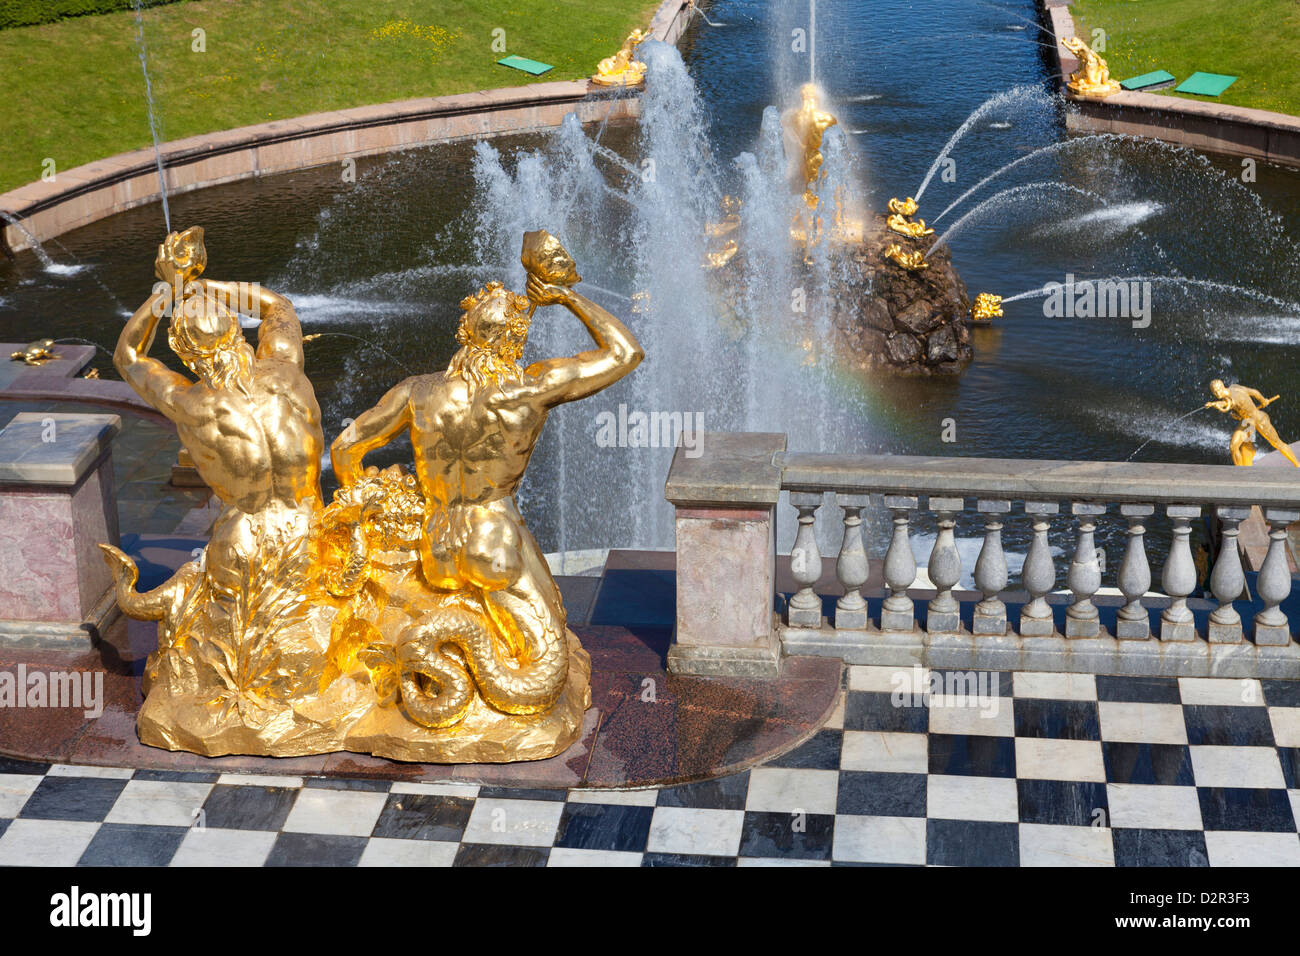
[414, 617]
[1239, 402]
[1093, 76]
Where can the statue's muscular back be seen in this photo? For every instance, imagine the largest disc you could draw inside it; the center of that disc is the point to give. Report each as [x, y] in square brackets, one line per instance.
[471, 444]
[258, 448]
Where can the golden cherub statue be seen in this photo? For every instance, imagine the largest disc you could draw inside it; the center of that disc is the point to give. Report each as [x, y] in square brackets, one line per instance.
[986, 308]
[807, 126]
[414, 617]
[1239, 401]
[900, 216]
[911, 261]
[620, 69]
[35, 353]
[1093, 76]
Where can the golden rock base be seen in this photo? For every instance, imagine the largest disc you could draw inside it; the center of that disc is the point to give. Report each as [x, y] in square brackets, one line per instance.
[348, 716]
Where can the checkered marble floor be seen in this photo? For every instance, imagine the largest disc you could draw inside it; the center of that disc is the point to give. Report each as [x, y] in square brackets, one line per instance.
[989, 769]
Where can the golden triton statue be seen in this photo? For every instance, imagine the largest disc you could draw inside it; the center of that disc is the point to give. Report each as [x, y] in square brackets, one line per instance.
[414, 617]
[911, 261]
[36, 353]
[986, 308]
[1239, 401]
[807, 126]
[1093, 76]
[620, 69]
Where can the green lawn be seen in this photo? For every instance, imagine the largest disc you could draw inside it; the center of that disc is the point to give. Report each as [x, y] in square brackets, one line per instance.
[1257, 41]
[73, 91]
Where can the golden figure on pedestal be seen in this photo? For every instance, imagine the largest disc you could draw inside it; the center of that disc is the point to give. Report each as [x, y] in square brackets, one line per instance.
[986, 308]
[36, 353]
[1239, 401]
[620, 69]
[1093, 76]
[414, 617]
[911, 261]
[807, 126]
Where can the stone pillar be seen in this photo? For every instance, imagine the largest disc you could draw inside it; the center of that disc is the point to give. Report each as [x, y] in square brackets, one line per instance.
[57, 503]
[726, 555]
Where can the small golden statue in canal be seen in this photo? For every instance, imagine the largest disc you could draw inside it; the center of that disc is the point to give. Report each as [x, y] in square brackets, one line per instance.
[620, 69]
[987, 307]
[36, 353]
[1239, 401]
[1093, 76]
[911, 261]
[807, 126]
[900, 219]
[414, 616]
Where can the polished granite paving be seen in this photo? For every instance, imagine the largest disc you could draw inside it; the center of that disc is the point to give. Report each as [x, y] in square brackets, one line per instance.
[989, 770]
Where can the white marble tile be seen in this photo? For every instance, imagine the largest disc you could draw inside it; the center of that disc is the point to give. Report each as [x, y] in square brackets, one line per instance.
[1236, 848]
[1242, 692]
[1248, 767]
[984, 716]
[1046, 758]
[381, 851]
[568, 856]
[15, 788]
[887, 679]
[884, 752]
[74, 770]
[836, 720]
[695, 831]
[338, 812]
[1150, 807]
[618, 798]
[262, 780]
[466, 791]
[514, 822]
[159, 803]
[780, 790]
[1125, 722]
[860, 839]
[779, 861]
[1055, 686]
[45, 842]
[959, 797]
[1286, 725]
[1044, 845]
[218, 847]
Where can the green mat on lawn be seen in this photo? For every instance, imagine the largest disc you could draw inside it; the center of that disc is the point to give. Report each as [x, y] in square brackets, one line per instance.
[525, 64]
[1147, 80]
[1205, 84]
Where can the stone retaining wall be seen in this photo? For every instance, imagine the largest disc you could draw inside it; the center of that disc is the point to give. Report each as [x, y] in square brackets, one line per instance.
[1207, 125]
[105, 187]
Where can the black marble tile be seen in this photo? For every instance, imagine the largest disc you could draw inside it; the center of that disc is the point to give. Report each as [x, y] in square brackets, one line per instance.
[4, 825]
[805, 836]
[1138, 690]
[489, 854]
[177, 776]
[685, 859]
[872, 794]
[877, 710]
[14, 765]
[1074, 803]
[522, 793]
[599, 826]
[316, 849]
[237, 807]
[73, 798]
[347, 783]
[819, 752]
[1290, 757]
[722, 793]
[1062, 719]
[1281, 693]
[1164, 764]
[973, 755]
[1159, 848]
[119, 844]
[971, 843]
[971, 683]
[424, 816]
[1228, 726]
[1233, 808]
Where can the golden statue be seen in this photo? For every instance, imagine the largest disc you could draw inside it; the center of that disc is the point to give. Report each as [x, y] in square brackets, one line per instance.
[911, 261]
[903, 207]
[987, 307]
[1093, 76]
[36, 353]
[620, 69]
[900, 217]
[414, 616]
[1239, 401]
[807, 126]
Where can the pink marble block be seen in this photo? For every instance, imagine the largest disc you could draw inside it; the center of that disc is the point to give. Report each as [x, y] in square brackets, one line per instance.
[57, 503]
[726, 576]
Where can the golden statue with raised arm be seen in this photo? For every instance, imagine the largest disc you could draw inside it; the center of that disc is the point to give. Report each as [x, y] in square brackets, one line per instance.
[1239, 401]
[807, 126]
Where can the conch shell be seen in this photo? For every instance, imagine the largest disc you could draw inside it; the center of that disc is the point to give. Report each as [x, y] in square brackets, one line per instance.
[543, 256]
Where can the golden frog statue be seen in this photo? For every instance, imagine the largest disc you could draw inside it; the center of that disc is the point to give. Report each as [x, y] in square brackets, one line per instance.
[1093, 76]
[36, 353]
[986, 308]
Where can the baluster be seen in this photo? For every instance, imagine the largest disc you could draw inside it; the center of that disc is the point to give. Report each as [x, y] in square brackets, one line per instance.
[1179, 576]
[1227, 580]
[896, 613]
[991, 571]
[1133, 622]
[852, 567]
[1084, 576]
[1039, 575]
[1274, 582]
[942, 615]
[805, 608]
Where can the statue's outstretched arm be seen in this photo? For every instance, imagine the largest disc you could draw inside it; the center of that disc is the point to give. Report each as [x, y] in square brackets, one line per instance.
[153, 381]
[374, 429]
[280, 333]
[617, 352]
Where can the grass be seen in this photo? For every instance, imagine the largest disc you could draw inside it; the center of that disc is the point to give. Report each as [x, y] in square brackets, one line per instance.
[74, 92]
[1255, 40]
